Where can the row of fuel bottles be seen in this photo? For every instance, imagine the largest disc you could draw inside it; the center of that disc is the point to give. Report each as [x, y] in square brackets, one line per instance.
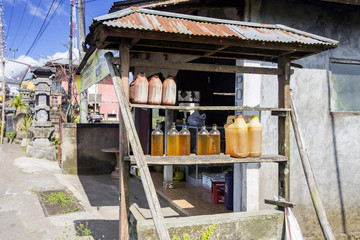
[241, 139]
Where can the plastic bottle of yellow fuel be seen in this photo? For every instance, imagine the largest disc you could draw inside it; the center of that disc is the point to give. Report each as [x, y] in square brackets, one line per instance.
[255, 137]
[237, 139]
[229, 121]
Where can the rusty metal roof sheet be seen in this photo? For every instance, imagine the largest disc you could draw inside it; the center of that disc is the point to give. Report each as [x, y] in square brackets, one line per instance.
[151, 20]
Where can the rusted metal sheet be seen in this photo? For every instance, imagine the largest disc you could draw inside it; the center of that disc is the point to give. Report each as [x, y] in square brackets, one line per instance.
[151, 20]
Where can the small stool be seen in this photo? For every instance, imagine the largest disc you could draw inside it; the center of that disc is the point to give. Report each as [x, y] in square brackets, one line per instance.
[115, 173]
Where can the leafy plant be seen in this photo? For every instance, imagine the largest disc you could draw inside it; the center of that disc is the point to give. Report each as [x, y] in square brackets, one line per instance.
[26, 124]
[205, 235]
[11, 136]
[59, 198]
[56, 140]
[19, 105]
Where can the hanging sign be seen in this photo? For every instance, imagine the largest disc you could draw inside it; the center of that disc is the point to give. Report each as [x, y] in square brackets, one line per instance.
[94, 71]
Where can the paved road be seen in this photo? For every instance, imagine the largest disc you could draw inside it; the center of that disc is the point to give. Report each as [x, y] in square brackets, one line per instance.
[22, 217]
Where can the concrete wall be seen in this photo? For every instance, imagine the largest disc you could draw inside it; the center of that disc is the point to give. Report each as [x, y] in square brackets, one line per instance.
[81, 148]
[332, 139]
[266, 225]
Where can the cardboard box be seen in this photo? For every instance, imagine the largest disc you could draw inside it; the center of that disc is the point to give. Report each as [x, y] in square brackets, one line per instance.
[208, 178]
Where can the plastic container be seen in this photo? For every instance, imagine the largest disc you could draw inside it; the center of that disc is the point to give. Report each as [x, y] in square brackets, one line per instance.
[169, 91]
[255, 137]
[155, 91]
[172, 141]
[237, 139]
[214, 141]
[157, 141]
[139, 89]
[203, 141]
[184, 141]
[229, 121]
[229, 190]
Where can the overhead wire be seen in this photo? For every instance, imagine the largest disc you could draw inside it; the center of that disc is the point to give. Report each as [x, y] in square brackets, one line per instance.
[32, 20]
[22, 17]
[11, 14]
[39, 33]
[51, 18]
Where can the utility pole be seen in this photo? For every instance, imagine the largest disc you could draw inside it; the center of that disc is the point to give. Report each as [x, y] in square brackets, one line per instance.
[3, 75]
[82, 49]
[70, 56]
[13, 50]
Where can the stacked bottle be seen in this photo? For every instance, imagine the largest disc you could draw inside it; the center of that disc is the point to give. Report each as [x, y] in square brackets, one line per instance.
[157, 141]
[184, 140]
[172, 141]
[214, 141]
[203, 141]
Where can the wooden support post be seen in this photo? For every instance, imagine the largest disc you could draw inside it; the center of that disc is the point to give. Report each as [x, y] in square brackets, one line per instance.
[124, 166]
[145, 176]
[310, 179]
[284, 126]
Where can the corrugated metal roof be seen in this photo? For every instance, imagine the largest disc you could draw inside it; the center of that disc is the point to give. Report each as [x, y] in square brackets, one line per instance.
[151, 20]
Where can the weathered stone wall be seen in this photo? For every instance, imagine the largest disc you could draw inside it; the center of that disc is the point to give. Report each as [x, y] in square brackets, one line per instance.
[81, 148]
[266, 225]
[332, 139]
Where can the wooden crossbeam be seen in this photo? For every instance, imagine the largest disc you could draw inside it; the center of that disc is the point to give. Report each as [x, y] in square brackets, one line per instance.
[200, 67]
[146, 179]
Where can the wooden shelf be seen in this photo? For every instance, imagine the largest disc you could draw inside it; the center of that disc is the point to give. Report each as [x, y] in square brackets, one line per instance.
[210, 108]
[207, 159]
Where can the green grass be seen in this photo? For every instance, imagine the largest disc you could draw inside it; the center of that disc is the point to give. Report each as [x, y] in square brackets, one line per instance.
[59, 198]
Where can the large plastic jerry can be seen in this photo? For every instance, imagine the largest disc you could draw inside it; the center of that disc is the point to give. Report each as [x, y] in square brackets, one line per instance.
[237, 140]
[139, 89]
[169, 91]
[155, 90]
[255, 137]
[230, 120]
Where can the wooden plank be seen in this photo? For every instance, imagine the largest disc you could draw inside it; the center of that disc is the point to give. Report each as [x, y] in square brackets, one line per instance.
[203, 67]
[209, 108]
[146, 179]
[284, 127]
[124, 166]
[208, 159]
[310, 179]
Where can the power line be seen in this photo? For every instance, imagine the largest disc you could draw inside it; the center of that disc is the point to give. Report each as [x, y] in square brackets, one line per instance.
[32, 20]
[22, 17]
[11, 14]
[51, 18]
[42, 25]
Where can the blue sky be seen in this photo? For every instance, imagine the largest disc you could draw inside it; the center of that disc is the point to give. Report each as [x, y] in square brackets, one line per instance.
[27, 16]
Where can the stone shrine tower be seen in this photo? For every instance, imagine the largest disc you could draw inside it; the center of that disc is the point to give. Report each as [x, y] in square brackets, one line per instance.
[42, 129]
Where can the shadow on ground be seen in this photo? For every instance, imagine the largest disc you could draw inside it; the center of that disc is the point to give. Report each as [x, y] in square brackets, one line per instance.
[101, 190]
[98, 229]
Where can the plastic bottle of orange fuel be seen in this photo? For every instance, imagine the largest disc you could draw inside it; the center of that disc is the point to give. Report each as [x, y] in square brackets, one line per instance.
[184, 140]
[237, 140]
[229, 121]
[214, 141]
[255, 137]
[157, 141]
[203, 141]
[172, 141]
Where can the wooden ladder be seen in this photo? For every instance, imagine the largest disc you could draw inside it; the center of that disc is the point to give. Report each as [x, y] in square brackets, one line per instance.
[140, 159]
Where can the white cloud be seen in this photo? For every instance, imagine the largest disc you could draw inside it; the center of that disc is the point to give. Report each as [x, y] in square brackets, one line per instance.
[43, 9]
